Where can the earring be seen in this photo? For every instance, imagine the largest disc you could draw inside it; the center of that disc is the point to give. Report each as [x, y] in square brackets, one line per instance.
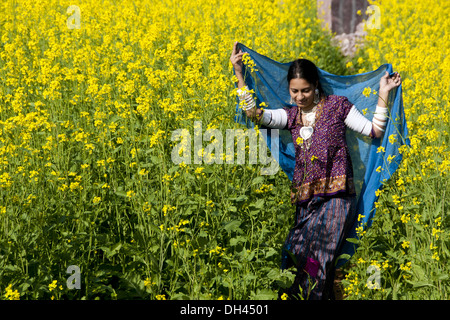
[292, 101]
[316, 96]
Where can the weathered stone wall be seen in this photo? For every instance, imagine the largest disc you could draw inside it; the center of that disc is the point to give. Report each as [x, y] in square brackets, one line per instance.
[341, 18]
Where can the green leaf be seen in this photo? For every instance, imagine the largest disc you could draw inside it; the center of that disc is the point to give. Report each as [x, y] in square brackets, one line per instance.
[271, 252]
[265, 294]
[259, 204]
[418, 226]
[249, 277]
[392, 253]
[353, 240]
[387, 225]
[441, 277]
[424, 283]
[258, 179]
[232, 225]
[445, 249]
[237, 240]
[180, 296]
[121, 193]
[437, 213]
[419, 272]
[344, 256]
[241, 198]
[113, 250]
[11, 268]
[273, 274]
[172, 170]
[250, 256]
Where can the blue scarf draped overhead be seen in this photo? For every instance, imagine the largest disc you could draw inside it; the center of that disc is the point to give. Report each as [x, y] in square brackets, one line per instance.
[270, 86]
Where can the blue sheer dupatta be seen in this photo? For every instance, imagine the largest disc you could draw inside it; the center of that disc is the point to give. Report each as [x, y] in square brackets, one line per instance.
[371, 168]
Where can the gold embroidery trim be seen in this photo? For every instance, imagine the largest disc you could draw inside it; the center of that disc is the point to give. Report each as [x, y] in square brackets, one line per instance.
[324, 186]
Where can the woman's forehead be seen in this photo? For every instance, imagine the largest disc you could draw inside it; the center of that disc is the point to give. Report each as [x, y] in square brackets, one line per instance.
[299, 83]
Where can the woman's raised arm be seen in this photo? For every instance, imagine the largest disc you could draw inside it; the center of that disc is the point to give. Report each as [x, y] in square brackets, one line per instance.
[236, 61]
[379, 120]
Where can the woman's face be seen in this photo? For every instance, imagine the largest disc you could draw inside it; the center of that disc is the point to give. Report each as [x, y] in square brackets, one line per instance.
[302, 93]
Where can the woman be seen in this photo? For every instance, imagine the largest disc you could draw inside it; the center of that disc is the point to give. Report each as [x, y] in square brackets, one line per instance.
[322, 185]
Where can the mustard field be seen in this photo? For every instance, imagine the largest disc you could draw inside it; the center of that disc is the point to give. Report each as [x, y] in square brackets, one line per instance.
[92, 205]
[409, 242]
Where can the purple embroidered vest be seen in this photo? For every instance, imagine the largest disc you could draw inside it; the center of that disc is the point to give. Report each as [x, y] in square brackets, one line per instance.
[325, 168]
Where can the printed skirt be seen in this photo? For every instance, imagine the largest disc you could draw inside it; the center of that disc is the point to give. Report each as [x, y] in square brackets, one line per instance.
[311, 246]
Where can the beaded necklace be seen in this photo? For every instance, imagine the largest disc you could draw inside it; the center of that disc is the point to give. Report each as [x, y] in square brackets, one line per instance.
[306, 131]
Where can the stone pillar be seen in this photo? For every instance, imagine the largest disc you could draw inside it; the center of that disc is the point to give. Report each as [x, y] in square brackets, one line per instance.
[341, 15]
[324, 13]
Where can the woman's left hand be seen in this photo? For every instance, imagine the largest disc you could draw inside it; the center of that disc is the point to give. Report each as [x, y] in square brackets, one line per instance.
[388, 83]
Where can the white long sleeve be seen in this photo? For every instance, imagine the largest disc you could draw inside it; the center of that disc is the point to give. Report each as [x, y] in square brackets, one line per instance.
[357, 122]
[274, 118]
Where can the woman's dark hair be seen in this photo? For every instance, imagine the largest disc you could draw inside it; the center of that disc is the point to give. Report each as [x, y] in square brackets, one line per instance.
[304, 69]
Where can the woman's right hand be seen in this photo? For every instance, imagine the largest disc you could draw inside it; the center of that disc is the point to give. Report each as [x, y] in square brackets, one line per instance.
[254, 113]
[236, 59]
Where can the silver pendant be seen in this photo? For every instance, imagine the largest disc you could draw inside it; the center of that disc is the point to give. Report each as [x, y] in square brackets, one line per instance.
[306, 132]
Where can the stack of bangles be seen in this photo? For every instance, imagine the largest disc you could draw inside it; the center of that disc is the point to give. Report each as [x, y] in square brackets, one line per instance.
[245, 95]
[275, 118]
[380, 117]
